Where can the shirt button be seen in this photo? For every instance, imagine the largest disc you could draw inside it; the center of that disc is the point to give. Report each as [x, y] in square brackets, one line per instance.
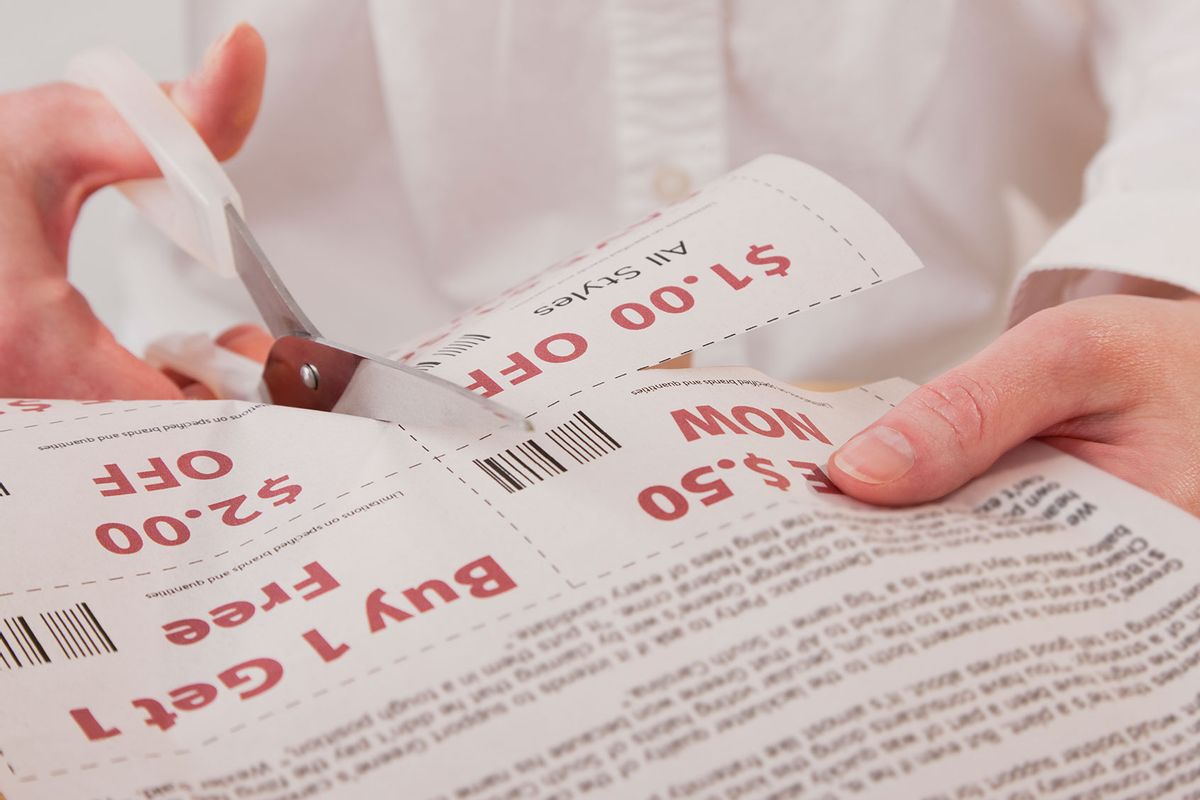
[671, 184]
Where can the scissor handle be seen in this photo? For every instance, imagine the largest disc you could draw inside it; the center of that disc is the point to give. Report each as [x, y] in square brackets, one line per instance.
[189, 205]
[227, 374]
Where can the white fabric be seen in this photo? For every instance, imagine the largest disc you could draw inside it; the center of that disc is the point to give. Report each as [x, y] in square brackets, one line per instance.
[413, 158]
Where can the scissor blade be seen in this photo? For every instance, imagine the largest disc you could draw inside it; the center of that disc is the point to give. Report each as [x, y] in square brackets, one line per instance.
[313, 373]
[396, 393]
[306, 371]
[279, 309]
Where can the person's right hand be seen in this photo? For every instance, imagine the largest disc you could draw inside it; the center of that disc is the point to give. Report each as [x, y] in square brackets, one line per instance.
[1113, 380]
[58, 144]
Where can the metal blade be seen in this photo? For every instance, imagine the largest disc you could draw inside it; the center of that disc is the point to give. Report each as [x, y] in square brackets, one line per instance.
[316, 374]
[304, 370]
[279, 309]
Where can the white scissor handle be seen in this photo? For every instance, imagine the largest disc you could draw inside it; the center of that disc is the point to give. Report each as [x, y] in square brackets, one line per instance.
[189, 205]
[227, 374]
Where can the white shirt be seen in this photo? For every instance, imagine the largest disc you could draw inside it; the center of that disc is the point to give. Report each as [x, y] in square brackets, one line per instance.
[415, 158]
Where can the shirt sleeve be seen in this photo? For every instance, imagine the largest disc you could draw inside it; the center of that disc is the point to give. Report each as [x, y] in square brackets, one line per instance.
[1138, 229]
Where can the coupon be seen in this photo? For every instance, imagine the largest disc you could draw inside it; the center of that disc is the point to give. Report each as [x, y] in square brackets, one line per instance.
[763, 244]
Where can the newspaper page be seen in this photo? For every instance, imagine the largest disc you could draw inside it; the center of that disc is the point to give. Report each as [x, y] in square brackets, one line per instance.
[656, 593]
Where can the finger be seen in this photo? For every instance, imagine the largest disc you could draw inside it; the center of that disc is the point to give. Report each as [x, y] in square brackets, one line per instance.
[198, 391]
[1054, 367]
[221, 99]
[177, 378]
[74, 142]
[247, 340]
[679, 362]
[51, 345]
[102, 371]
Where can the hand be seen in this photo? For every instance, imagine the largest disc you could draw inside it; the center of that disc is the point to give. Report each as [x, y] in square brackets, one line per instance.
[58, 144]
[1113, 380]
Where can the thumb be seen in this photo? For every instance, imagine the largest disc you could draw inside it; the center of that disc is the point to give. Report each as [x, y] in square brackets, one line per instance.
[85, 145]
[950, 430]
[221, 99]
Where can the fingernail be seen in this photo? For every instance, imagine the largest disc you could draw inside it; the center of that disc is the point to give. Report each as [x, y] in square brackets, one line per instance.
[219, 44]
[184, 93]
[878, 455]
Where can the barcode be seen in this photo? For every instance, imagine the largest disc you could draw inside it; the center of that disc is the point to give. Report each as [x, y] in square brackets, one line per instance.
[456, 348]
[78, 632]
[19, 645]
[582, 439]
[520, 466]
[461, 345]
[579, 439]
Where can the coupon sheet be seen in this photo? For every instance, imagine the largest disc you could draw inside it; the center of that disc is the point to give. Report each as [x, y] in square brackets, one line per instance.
[655, 592]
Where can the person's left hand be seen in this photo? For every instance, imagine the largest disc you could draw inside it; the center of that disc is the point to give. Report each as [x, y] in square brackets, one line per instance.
[1113, 380]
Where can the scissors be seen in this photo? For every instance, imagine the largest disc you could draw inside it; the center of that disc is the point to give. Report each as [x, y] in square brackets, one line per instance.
[196, 205]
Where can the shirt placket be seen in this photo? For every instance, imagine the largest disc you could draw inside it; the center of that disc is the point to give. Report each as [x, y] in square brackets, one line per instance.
[668, 99]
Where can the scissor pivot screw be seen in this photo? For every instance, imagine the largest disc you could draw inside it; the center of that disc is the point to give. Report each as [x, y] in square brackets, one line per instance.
[310, 376]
